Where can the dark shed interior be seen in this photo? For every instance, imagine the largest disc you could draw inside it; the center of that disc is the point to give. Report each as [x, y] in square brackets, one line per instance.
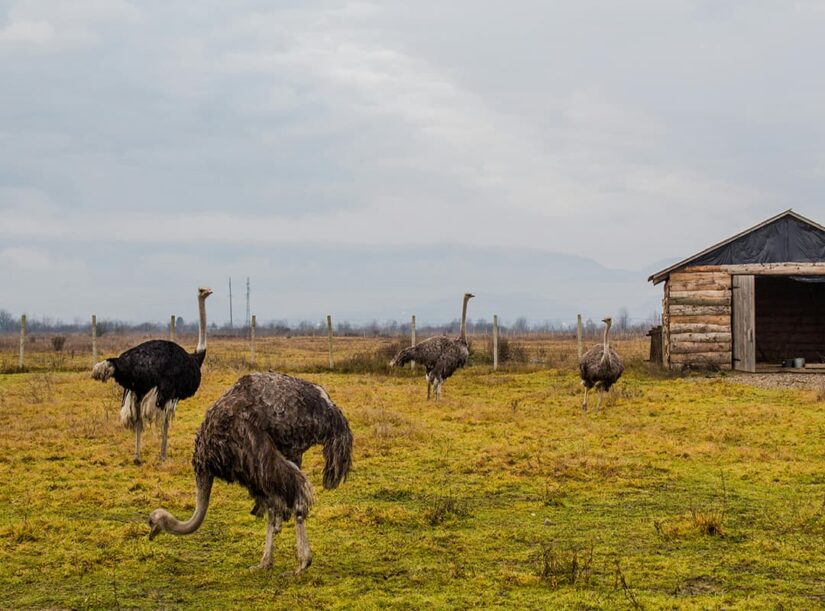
[789, 318]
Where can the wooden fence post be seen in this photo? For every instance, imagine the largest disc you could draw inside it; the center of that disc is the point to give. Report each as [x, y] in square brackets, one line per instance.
[579, 334]
[495, 342]
[172, 330]
[94, 339]
[252, 340]
[329, 338]
[22, 341]
[412, 332]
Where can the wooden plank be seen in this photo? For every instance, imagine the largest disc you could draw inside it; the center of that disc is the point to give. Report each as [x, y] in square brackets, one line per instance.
[701, 358]
[688, 274]
[694, 310]
[709, 320]
[701, 337]
[698, 328]
[700, 347]
[744, 323]
[682, 286]
[700, 281]
[700, 298]
[765, 269]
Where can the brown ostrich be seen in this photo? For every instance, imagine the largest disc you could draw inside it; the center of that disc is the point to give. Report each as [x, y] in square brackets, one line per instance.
[441, 356]
[253, 435]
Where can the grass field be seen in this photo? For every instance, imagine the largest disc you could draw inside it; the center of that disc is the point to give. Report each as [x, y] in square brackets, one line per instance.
[685, 492]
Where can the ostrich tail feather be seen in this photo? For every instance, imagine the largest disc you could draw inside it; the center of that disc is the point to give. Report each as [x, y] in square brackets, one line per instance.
[128, 410]
[103, 370]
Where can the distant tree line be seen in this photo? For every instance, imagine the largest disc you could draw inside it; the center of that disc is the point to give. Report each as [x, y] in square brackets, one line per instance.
[622, 323]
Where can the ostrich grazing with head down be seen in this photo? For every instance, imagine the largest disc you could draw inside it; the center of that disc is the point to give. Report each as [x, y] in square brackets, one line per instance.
[254, 435]
[441, 356]
[600, 366]
[155, 375]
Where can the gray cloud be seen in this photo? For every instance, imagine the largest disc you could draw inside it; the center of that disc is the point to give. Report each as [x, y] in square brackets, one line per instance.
[625, 133]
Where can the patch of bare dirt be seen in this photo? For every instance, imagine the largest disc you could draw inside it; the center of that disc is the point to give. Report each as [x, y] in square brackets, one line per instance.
[805, 381]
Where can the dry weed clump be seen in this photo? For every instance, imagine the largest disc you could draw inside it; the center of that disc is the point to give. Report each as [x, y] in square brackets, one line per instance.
[40, 388]
[563, 567]
[445, 508]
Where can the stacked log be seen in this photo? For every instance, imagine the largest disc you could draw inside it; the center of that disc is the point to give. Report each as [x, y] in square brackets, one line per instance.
[698, 304]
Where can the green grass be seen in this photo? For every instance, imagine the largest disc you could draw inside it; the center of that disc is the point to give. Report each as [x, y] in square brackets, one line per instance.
[683, 493]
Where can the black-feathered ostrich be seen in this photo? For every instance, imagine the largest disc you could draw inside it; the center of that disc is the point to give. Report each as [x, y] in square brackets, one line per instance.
[155, 375]
[441, 356]
[600, 366]
[254, 435]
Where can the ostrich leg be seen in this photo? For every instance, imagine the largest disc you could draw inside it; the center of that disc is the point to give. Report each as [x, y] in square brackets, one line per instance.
[601, 394]
[138, 431]
[584, 401]
[273, 527]
[429, 385]
[168, 412]
[302, 545]
[164, 435]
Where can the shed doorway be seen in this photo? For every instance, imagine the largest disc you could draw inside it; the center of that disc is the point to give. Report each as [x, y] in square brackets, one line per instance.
[790, 319]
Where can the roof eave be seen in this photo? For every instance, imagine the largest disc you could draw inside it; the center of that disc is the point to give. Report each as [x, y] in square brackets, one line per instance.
[663, 275]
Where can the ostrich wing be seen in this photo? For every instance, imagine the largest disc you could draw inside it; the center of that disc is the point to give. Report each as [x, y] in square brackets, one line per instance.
[452, 358]
[425, 353]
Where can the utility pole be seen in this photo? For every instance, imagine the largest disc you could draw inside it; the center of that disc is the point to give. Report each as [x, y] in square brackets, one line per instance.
[247, 321]
[230, 302]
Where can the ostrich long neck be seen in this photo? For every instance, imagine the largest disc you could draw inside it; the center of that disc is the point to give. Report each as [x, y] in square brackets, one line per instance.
[176, 527]
[606, 342]
[463, 333]
[201, 325]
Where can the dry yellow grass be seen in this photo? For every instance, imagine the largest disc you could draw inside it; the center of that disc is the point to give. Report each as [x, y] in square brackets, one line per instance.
[688, 492]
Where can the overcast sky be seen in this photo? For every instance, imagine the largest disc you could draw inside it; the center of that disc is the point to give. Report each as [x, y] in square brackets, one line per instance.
[149, 147]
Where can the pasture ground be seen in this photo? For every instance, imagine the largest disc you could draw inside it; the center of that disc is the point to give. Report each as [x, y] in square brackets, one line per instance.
[685, 492]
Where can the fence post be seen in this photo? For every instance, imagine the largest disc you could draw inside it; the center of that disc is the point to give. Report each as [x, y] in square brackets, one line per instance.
[329, 338]
[94, 339]
[412, 331]
[495, 342]
[252, 340]
[579, 334]
[22, 341]
[172, 330]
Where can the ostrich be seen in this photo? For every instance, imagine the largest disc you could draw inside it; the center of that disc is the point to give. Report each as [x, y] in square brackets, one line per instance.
[255, 434]
[441, 356]
[600, 366]
[155, 375]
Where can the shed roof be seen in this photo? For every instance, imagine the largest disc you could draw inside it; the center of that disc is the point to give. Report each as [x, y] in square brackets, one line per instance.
[785, 238]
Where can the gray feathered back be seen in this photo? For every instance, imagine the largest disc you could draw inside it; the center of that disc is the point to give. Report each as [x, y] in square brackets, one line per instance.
[594, 368]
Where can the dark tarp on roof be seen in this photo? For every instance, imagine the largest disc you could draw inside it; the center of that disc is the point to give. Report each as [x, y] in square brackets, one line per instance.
[785, 240]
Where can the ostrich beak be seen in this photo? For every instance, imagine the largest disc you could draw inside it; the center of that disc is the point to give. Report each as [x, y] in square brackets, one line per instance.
[154, 530]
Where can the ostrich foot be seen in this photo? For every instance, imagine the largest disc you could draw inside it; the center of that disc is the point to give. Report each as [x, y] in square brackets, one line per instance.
[301, 568]
[263, 565]
[137, 461]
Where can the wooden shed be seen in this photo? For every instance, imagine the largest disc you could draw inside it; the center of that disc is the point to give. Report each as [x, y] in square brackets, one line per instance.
[752, 301]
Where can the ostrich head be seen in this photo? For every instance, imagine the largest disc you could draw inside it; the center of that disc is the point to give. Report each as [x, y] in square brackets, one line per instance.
[468, 296]
[158, 522]
[608, 321]
[204, 292]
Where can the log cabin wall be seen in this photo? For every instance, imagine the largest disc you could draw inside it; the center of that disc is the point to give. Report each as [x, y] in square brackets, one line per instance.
[697, 318]
[697, 315]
